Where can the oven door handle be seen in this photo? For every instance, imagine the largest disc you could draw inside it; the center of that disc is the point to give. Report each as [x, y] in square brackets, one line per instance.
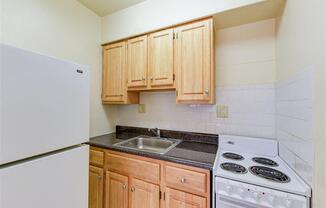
[236, 202]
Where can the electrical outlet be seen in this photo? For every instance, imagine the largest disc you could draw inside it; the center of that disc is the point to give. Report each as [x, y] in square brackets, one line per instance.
[222, 111]
[141, 108]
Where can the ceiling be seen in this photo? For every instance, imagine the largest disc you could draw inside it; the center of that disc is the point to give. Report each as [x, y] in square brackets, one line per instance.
[105, 7]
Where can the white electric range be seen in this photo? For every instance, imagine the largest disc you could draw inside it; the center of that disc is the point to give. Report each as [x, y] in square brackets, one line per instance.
[250, 174]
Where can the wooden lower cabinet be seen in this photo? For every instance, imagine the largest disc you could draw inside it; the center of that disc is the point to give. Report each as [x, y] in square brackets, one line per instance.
[95, 187]
[179, 199]
[116, 190]
[139, 182]
[144, 195]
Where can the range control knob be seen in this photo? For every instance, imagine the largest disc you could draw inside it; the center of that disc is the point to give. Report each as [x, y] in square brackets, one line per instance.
[288, 203]
[271, 199]
[255, 195]
[228, 188]
[241, 191]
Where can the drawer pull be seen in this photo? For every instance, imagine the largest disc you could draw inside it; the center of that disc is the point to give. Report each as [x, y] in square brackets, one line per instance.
[132, 189]
[183, 180]
[124, 186]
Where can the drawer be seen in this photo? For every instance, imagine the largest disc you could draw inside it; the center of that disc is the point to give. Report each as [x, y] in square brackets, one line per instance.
[96, 157]
[187, 180]
[175, 198]
[145, 170]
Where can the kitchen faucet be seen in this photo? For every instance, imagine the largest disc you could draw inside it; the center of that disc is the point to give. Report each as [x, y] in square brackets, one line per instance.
[155, 131]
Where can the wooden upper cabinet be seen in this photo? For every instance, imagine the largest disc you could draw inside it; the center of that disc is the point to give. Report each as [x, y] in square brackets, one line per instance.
[195, 63]
[95, 187]
[114, 90]
[137, 62]
[161, 67]
[116, 195]
[144, 195]
[180, 58]
[114, 72]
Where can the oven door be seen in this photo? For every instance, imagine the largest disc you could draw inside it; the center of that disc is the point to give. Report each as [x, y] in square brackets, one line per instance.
[223, 201]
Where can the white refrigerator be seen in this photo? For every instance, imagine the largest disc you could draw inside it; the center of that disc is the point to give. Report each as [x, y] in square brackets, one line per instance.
[44, 121]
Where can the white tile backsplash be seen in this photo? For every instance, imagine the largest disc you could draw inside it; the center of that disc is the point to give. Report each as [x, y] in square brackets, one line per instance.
[251, 112]
[294, 128]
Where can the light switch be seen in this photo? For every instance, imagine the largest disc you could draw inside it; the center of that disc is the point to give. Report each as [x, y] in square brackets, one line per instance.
[222, 111]
[141, 108]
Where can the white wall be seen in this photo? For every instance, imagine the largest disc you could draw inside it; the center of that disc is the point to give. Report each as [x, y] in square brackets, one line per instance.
[248, 58]
[64, 29]
[320, 121]
[299, 49]
[245, 77]
[294, 121]
[1, 19]
[155, 14]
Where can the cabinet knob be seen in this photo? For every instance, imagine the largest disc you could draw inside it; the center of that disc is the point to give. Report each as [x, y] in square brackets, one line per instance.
[183, 180]
[124, 186]
[143, 78]
[206, 92]
[151, 78]
[132, 189]
[99, 177]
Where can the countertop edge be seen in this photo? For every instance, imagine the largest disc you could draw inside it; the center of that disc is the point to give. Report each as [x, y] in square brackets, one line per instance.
[156, 156]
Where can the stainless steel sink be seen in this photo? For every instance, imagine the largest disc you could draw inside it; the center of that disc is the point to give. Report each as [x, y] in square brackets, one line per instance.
[149, 144]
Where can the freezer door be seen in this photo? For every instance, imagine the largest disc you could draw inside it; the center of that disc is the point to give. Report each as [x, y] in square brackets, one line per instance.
[56, 181]
[44, 104]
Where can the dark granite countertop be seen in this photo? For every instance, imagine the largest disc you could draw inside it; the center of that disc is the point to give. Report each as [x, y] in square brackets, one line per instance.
[198, 150]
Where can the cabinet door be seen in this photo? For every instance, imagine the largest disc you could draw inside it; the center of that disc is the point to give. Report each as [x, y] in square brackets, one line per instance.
[161, 58]
[95, 187]
[137, 62]
[144, 195]
[179, 199]
[116, 194]
[114, 61]
[194, 59]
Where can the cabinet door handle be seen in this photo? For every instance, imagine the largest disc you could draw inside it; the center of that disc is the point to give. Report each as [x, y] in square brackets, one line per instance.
[132, 189]
[183, 180]
[124, 186]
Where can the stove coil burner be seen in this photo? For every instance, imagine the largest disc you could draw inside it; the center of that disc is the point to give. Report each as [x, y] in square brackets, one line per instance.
[234, 168]
[265, 161]
[232, 156]
[269, 174]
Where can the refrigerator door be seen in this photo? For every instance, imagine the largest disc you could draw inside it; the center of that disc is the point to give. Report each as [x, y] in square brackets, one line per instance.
[53, 181]
[44, 104]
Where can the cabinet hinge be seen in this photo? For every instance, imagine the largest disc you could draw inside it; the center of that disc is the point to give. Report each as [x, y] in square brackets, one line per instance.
[173, 77]
[176, 92]
[160, 195]
[173, 35]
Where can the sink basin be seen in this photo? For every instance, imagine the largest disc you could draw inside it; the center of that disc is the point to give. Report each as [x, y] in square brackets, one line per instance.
[149, 144]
